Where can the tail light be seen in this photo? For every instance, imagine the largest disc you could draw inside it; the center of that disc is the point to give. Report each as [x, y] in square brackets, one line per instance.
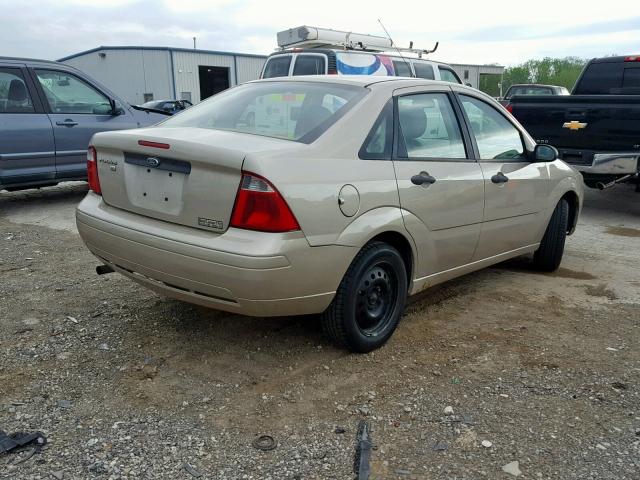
[632, 58]
[92, 171]
[509, 108]
[259, 206]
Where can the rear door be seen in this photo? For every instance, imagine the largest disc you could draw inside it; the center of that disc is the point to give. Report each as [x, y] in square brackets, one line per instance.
[77, 110]
[440, 185]
[515, 188]
[27, 151]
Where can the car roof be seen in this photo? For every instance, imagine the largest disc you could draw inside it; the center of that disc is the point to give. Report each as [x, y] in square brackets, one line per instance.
[29, 60]
[359, 80]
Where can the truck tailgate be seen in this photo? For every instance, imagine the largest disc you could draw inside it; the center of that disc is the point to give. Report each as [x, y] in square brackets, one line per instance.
[608, 123]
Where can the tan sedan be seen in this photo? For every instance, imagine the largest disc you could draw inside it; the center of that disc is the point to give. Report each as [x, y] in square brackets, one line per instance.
[330, 194]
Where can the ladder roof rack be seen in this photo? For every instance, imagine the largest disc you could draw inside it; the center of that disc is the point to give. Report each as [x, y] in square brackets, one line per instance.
[315, 37]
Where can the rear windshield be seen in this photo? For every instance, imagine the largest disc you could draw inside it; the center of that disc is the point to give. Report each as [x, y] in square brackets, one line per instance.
[527, 90]
[299, 111]
[277, 66]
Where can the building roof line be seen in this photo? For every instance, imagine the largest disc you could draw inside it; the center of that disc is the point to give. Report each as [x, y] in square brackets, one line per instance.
[165, 49]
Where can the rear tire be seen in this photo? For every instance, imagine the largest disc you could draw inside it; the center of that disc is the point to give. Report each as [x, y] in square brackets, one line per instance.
[369, 301]
[549, 255]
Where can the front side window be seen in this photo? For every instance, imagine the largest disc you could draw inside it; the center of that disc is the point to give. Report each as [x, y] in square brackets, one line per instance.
[14, 95]
[447, 75]
[277, 66]
[496, 137]
[299, 111]
[309, 65]
[424, 70]
[402, 68]
[67, 93]
[429, 128]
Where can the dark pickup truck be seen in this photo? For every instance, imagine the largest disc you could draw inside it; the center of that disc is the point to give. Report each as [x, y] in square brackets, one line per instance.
[596, 129]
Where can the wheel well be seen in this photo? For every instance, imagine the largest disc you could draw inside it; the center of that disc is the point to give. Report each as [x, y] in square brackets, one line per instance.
[400, 243]
[572, 199]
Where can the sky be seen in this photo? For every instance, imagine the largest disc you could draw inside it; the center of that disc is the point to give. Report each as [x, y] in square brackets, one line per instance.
[475, 32]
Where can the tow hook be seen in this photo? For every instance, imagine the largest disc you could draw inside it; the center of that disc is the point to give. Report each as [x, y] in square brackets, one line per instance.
[603, 186]
[104, 269]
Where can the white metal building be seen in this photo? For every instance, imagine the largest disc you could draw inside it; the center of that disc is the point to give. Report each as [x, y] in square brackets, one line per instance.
[141, 74]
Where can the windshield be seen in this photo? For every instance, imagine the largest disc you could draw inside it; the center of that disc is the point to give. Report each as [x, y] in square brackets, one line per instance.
[299, 111]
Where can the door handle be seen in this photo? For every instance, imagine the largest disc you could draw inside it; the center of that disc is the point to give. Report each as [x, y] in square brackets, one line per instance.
[499, 178]
[422, 178]
[67, 123]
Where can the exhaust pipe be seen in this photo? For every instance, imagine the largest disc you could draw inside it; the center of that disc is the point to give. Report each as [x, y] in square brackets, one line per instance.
[104, 269]
[602, 185]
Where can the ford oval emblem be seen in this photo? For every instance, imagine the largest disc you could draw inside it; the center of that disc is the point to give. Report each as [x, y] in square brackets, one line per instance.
[153, 162]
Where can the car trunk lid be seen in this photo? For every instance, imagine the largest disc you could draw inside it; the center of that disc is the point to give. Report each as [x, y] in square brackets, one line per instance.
[188, 176]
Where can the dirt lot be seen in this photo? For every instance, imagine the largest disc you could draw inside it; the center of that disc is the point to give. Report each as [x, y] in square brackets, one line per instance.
[126, 384]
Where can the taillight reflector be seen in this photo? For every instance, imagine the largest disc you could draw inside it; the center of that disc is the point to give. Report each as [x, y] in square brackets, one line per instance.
[259, 206]
[92, 171]
[509, 107]
[147, 143]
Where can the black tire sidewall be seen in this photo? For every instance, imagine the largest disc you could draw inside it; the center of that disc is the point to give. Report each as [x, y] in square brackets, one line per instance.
[357, 340]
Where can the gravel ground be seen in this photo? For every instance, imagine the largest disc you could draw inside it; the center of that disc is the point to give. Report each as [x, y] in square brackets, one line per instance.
[500, 366]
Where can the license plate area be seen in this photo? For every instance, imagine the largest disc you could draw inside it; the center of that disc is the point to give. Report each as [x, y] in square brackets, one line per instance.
[158, 190]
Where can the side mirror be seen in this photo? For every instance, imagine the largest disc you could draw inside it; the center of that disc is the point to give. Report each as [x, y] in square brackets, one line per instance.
[545, 153]
[115, 108]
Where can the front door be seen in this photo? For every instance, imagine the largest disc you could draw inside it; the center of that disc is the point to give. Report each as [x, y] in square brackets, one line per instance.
[27, 151]
[515, 188]
[77, 110]
[441, 188]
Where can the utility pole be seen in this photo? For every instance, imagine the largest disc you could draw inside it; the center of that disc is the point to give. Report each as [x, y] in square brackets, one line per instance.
[194, 43]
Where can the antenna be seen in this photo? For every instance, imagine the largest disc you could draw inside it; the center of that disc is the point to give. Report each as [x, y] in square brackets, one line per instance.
[395, 46]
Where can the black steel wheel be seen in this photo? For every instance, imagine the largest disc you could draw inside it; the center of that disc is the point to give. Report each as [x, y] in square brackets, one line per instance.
[370, 299]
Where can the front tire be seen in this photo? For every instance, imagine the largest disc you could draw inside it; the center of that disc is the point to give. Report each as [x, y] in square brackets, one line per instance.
[549, 255]
[369, 301]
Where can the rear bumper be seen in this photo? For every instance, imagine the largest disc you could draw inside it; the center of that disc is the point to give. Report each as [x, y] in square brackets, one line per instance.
[619, 163]
[251, 273]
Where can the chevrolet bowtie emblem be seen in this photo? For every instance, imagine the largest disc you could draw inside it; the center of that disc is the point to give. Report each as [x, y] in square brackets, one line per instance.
[574, 125]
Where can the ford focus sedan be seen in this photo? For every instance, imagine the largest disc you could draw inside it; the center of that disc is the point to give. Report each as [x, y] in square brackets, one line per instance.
[337, 196]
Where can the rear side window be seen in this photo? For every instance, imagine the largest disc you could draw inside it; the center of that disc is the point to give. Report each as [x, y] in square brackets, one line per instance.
[448, 75]
[14, 95]
[429, 128]
[424, 70]
[310, 65]
[600, 79]
[378, 144]
[402, 68]
[277, 66]
[298, 110]
[495, 136]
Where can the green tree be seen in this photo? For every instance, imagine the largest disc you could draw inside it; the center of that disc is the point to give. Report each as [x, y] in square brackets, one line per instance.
[551, 71]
